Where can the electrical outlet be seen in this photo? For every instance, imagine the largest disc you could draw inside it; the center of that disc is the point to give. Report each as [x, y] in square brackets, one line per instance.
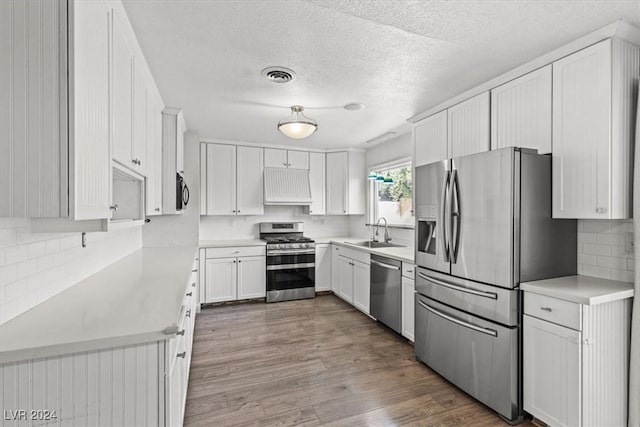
[629, 246]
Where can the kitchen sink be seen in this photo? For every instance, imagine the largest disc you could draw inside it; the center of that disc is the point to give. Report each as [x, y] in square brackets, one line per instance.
[373, 245]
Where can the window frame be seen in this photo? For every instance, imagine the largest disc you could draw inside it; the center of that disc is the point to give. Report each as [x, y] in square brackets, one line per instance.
[372, 190]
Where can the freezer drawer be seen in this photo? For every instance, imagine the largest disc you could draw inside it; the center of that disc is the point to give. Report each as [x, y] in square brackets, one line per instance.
[490, 302]
[478, 356]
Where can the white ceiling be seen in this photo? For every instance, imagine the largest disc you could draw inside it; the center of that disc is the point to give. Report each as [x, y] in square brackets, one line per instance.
[398, 57]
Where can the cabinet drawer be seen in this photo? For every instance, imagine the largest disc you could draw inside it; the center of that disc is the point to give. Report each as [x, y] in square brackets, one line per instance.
[554, 310]
[408, 270]
[235, 252]
[354, 254]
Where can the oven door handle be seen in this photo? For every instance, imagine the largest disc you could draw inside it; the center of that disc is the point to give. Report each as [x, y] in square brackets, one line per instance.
[290, 266]
[290, 252]
[471, 291]
[487, 331]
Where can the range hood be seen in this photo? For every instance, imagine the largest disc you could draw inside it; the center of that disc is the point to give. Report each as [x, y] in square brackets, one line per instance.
[284, 186]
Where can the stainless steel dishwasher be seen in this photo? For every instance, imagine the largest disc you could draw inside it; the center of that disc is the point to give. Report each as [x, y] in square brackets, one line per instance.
[386, 291]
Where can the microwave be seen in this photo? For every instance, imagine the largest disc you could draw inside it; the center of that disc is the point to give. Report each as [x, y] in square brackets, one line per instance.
[182, 193]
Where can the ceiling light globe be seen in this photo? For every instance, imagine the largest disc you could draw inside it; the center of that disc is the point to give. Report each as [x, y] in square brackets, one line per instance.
[297, 126]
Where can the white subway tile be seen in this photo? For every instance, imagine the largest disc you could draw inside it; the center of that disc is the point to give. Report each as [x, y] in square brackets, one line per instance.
[7, 237]
[612, 262]
[8, 222]
[26, 268]
[15, 290]
[587, 238]
[589, 248]
[8, 274]
[16, 254]
[36, 250]
[52, 246]
[631, 264]
[610, 239]
[587, 259]
[590, 270]
[622, 275]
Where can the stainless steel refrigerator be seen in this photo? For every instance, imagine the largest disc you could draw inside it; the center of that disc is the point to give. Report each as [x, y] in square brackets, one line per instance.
[483, 225]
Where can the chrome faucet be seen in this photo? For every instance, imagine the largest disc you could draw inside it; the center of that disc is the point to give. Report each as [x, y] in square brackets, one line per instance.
[387, 238]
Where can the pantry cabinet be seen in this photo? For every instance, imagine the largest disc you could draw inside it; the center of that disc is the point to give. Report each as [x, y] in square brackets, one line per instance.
[276, 158]
[346, 183]
[233, 273]
[521, 112]
[317, 178]
[430, 139]
[468, 126]
[233, 180]
[594, 102]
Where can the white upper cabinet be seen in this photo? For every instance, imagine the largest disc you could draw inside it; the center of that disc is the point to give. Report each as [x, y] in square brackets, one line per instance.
[139, 142]
[220, 166]
[521, 112]
[468, 126]
[317, 177]
[173, 129]
[593, 115]
[430, 139]
[233, 179]
[55, 160]
[250, 181]
[122, 97]
[154, 156]
[346, 183]
[276, 158]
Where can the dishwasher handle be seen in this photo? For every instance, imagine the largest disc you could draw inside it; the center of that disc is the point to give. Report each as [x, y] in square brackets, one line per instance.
[385, 265]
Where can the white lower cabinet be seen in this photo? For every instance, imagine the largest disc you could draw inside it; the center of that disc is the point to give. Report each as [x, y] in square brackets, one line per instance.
[350, 276]
[234, 273]
[323, 267]
[345, 279]
[575, 367]
[408, 307]
[361, 286]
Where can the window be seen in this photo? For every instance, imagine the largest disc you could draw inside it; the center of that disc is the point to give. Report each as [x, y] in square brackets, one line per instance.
[392, 200]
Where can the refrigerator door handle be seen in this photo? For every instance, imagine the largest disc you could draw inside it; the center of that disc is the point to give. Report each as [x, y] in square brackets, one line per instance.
[454, 222]
[443, 216]
[487, 331]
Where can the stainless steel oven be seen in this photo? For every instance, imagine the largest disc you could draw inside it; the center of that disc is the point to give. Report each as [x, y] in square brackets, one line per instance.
[291, 261]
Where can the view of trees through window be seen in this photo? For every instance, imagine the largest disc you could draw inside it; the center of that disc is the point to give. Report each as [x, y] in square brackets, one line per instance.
[393, 201]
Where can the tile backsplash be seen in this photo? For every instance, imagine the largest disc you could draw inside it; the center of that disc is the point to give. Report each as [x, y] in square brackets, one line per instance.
[601, 249]
[36, 266]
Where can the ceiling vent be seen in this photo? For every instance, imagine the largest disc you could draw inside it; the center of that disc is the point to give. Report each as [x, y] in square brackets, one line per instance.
[279, 74]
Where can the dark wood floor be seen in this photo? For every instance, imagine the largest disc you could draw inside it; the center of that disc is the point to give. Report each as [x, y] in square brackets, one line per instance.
[314, 362]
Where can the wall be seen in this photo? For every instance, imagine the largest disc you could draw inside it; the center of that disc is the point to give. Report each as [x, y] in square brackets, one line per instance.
[246, 227]
[36, 266]
[601, 249]
[180, 230]
[400, 147]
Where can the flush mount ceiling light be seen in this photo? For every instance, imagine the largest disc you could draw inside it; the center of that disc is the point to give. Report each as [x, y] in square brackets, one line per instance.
[297, 126]
[354, 106]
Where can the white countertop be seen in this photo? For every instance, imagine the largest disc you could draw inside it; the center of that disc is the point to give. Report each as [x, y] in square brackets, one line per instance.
[581, 289]
[404, 253]
[131, 301]
[231, 243]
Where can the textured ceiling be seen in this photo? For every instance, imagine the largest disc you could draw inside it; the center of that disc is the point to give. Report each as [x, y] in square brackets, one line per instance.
[397, 57]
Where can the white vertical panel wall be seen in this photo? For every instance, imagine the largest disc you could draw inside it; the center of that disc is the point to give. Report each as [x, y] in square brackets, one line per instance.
[31, 33]
[605, 363]
[116, 386]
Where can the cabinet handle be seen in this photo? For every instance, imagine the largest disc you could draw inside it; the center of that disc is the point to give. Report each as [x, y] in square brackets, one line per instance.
[239, 261]
[193, 285]
[188, 313]
[183, 354]
[601, 210]
[180, 333]
[114, 207]
[344, 211]
[234, 211]
[234, 261]
[546, 309]
[194, 271]
[238, 210]
[157, 209]
[189, 294]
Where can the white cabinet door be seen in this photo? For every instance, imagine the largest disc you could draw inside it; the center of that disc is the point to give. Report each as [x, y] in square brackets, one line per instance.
[251, 277]
[581, 133]
[250, 178]
[408, 307]
[274, 158]
[430, 139]
[317, 177]
[154, 157]
[323, 267]
[139, 142]
[298, 159]
[345, 278]
[337, 164]
[221, 179]
[335, 278]
[361, 286]
[122, 89]
[180, 149]
[90, 181]
[468, 126]
[220, 279]
[551, 372]
[521, 112]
